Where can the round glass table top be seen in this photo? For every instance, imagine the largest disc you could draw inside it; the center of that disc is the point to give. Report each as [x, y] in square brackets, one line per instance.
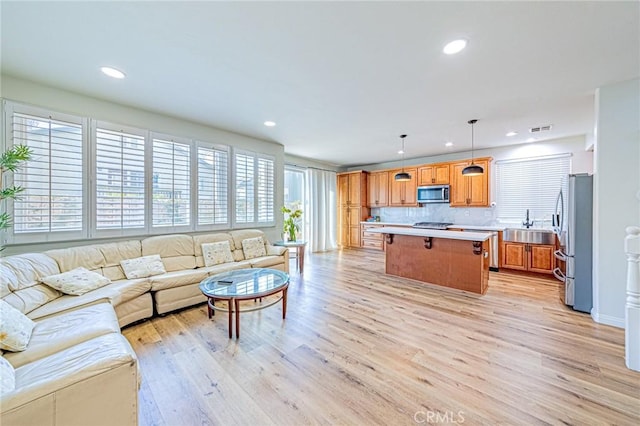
[244, 283]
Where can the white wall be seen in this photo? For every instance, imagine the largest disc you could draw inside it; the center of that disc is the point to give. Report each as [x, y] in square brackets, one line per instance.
[616, 183]
[59, 100]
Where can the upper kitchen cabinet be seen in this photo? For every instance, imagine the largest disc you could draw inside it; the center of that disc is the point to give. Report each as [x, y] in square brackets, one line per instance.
[433, 174]
[352, 188]
[469, 191]
[403, 194]
[352, 208]
[378, 189]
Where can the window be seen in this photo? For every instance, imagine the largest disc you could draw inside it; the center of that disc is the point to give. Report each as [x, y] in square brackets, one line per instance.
[294, 192]
[254, 184]
[213, 185]
[119, 180]
[51, 206]
[172, 184]
[531, 184]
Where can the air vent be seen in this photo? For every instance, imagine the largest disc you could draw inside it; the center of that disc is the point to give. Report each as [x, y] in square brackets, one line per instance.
[540, 129]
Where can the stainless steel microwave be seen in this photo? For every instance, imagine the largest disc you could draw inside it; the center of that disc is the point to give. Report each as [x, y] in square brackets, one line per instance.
[433, 194]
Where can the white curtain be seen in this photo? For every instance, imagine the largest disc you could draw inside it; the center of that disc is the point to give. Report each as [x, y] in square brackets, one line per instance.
[321, 212]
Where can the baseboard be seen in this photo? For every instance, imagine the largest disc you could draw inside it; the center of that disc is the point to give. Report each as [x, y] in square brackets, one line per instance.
[607, 319]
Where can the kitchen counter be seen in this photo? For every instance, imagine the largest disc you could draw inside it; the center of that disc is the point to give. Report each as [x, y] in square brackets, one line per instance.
[386, 223]
[480, 227]
[435, 233]
[452, 259]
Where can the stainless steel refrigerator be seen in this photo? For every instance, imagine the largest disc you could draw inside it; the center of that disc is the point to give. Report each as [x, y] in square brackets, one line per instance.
[575, 229]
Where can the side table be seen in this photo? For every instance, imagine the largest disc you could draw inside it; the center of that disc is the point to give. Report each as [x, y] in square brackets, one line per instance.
[300, 246]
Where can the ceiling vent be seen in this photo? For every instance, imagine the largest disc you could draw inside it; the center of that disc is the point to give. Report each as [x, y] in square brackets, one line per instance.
[540, 129]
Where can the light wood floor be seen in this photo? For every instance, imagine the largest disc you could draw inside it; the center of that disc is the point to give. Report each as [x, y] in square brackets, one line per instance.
[359, 347]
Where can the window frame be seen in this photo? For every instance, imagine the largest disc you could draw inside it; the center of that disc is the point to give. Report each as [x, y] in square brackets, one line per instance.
[256, 156]
[216, 147]
[9, 236]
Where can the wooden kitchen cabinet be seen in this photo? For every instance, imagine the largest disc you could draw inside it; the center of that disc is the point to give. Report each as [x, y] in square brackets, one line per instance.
[371, 240]
[403, 194]
[433, 174]
[528, 257]
[352, 208]
[378, 189]
[469, 191]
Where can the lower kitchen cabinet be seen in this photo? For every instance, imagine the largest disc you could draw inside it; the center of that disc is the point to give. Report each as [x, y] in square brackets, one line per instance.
[528, 257]
[371, 240]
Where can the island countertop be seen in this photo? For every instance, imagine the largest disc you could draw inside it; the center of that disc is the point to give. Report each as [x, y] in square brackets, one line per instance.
[434, 233]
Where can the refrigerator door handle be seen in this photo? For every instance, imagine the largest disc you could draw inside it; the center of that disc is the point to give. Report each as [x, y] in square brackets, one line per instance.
[559, 275]
[560, 255]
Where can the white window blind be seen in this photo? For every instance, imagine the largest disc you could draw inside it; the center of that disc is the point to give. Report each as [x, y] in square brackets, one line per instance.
[530, 184]
[244, 173]
[120, 180]
[213, 186]
[171, 184]
[265, 193]
[53, 179]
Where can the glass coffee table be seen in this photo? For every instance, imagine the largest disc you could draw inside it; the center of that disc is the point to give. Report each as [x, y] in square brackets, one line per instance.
[244, 284]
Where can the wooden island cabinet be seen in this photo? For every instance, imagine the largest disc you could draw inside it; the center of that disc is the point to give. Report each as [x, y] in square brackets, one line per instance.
[352, 207]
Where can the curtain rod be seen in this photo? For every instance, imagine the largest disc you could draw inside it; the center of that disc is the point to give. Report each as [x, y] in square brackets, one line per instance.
[310, 167]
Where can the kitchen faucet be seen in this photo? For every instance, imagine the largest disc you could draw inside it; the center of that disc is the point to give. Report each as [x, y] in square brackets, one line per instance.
[526, 223]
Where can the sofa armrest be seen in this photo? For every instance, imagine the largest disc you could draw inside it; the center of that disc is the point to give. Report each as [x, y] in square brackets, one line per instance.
[95, 382]
[275, 250]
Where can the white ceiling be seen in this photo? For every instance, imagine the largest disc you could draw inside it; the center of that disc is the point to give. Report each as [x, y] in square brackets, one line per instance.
[342, 79]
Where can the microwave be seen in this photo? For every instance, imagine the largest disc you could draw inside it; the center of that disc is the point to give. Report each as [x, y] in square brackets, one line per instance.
[433, 194]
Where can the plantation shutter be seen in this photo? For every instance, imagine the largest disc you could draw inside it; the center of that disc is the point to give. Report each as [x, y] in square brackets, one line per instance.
[120, 180]
[213, 186]
[52, 201]
[171, 193]
[265, 194]
[530, 184]
[244, 172]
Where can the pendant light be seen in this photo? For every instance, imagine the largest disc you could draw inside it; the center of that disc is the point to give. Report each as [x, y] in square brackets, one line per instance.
[402, 176]
[472, 169]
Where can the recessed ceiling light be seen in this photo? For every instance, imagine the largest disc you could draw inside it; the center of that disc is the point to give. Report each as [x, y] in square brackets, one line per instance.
[531, 140]
[512, 133]
[112, 72]
[448, 144]
[401, 152]
[269, 123]
[454, 47]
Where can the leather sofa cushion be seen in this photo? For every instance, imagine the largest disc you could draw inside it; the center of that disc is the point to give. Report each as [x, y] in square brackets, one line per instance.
[25, 270]
[266, 261]
[67, 367]
[28, 299]
[89, 257]
[59, 332]
[177, 279]
[114, 293]
[177, 251]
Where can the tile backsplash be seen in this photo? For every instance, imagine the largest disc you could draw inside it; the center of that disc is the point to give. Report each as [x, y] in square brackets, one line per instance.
[436, 213]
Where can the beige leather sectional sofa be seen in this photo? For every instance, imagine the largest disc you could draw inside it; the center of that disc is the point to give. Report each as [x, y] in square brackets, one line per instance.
[77, 367]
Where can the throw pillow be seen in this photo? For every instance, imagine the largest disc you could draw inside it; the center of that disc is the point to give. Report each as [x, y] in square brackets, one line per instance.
[253, 247]
[7, 376]
[15, 329]
[217, 253]
[142, 267]
[76, 281]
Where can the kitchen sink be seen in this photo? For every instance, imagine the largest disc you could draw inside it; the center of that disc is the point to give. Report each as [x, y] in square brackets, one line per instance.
[529, 236]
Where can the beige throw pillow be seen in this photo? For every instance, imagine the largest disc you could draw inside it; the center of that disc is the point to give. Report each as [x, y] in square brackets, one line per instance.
[253, 247]
[217, 253]
[142, 267]
[7, 376]
[15, 328]
[76, 281]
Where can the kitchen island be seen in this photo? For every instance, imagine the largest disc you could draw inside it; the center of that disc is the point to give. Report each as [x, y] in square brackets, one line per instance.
[448, 258]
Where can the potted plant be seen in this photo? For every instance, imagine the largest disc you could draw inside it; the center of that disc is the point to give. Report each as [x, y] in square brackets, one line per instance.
[10, 161]
[291, 222]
